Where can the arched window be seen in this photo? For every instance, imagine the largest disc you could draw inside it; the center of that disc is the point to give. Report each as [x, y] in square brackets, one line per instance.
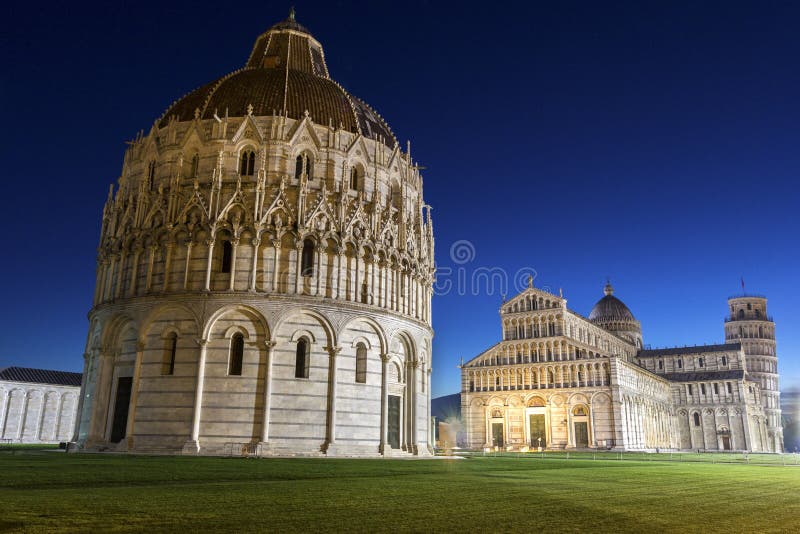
[227, 256]
[194, 166]
[247, 164]
[354, 178]
[151, 176]
[307, 266]
[301, 359]
[170, 348]
[361, 363]
[680, 363]
[236, 355]
[701, 362]
[741, 314]
[758, 312]
[724, 360]
[304, 164]
[749, 306]
[696, 419]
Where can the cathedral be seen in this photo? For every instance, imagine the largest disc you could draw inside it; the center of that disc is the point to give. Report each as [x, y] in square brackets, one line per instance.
[264, 274]
[559, 380]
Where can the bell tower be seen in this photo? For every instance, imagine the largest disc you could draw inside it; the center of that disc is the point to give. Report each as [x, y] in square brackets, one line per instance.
[750, 325]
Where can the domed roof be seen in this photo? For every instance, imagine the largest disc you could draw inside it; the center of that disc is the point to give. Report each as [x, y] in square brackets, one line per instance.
[285, 75]
[610, 308]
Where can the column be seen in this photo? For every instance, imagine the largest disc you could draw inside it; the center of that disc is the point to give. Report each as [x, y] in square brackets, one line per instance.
[23, 415]
[267, 392]
[193, 445]
[355, 294]
[137, 368]
[254, 272]
[317, 269]
[384, 403]
[148, 284]
[298, 264]
[331, 434]
[120, 275]
[135, 272]
[167, 266]
[276, 244]
[98, 282]
[189, 245]
[110, 277]
[210, 242]
[338, 284]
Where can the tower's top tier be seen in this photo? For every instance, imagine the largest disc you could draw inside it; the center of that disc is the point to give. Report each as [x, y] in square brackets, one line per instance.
[748, 308]
[286, 74]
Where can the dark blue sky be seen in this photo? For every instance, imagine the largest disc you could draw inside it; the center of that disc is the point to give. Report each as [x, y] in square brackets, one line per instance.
[652, 142]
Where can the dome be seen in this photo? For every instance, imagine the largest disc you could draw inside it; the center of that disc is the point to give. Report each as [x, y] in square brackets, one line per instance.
[286, 74]
[610, 308]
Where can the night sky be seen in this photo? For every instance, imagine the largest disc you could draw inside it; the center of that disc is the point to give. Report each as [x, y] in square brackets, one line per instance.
[653, 144]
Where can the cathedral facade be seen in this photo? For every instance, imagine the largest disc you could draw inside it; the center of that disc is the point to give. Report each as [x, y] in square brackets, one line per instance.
[264, 274]
[558, 380]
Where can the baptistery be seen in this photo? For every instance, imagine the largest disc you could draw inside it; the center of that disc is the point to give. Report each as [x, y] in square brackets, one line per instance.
[264, 274]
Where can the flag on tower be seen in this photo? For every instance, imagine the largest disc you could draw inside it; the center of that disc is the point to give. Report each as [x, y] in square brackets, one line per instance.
[743, 284]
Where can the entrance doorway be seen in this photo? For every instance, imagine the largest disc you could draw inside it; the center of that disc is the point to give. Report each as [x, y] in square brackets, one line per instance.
[538, 435]
[121, 405]
[726, 443]
[393, 422]
[497, 434]
[581, 434]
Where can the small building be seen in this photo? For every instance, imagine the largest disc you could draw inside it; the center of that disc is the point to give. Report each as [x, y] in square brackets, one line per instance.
[38, 405]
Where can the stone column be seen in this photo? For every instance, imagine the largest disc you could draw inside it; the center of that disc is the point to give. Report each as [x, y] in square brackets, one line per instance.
[110, 278]
[270, 345]
[102, 392]
[234, 250]
[340, 256]
[98, 282]
[193, 444]
[189, 246]
[384, 404]
[330, 441]
[298, 263]
[317, 270]
[210, 243]
[167, 266]
[87, 359]
[148, 284]
[120, 275]
[137, 369]
[356, 293]
[276, 244]
[58, 421]
[254, 272]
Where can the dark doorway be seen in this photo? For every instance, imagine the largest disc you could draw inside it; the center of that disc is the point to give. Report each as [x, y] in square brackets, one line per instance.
[537, 427]
[497, 434]
[581, 434]
[121, 406]
[726, 443]
[393, 429]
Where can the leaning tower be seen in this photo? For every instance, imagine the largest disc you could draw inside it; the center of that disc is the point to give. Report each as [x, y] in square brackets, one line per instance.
[750, 325]
[264, 274]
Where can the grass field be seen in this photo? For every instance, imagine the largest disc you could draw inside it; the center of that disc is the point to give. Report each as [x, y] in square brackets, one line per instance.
[46, 491]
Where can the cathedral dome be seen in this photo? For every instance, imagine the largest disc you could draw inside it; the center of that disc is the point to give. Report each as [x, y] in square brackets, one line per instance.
[286, 74]
[610, 308]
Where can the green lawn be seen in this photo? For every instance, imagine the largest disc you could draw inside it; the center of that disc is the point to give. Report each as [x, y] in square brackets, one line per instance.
[46, 491]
